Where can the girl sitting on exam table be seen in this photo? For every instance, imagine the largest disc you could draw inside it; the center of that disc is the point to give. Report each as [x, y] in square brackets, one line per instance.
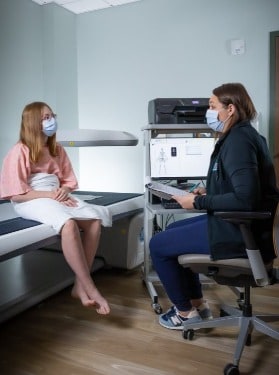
[38, 178]
[240, 177]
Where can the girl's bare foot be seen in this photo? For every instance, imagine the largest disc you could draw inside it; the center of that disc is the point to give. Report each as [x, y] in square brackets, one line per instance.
[95, 299]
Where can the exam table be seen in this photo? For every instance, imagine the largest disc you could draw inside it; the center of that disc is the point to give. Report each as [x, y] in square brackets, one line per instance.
[32, 266]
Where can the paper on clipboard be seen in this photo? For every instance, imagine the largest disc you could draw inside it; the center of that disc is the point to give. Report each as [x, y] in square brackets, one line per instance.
[164, 191]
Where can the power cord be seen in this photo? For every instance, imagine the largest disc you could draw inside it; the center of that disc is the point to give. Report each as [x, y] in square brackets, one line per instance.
[156, 226]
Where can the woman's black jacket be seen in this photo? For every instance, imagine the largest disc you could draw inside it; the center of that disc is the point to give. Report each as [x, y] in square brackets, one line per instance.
[241, 177]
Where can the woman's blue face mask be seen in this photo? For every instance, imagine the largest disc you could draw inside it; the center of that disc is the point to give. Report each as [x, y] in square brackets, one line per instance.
[213, 122]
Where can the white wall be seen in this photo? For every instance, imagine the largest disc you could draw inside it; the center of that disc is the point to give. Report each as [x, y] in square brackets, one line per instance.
[38, 61]
[99, 69]
[21, 77]
[162, 48]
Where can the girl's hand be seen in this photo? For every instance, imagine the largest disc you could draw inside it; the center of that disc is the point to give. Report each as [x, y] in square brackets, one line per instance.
[70, 202]
[62, 194]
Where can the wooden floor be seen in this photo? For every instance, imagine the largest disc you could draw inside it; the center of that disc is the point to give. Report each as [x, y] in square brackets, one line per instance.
[60, 337]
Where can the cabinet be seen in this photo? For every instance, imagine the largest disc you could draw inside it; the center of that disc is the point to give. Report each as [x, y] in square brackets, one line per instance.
[183, 153]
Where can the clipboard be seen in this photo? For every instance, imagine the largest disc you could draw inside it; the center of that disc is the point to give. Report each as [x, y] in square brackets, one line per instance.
[164, 191]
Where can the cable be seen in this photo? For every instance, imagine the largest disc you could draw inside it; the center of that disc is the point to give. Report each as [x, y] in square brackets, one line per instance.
[156, 227]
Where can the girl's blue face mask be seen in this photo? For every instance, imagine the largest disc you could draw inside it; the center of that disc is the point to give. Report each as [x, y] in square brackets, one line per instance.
[213, 122]
[49, 126]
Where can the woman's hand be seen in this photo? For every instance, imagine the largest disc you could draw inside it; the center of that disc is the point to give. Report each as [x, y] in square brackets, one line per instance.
[199, 191]
[185, 201]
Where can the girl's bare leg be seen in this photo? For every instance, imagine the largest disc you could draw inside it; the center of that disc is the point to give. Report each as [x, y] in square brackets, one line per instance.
[90, 238]
[78, 259]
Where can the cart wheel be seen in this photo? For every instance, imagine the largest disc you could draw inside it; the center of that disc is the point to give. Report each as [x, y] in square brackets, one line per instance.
[188, 334]
[157, 308]
[231, 369]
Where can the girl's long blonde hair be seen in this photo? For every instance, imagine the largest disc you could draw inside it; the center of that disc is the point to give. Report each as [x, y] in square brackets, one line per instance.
[31, 131]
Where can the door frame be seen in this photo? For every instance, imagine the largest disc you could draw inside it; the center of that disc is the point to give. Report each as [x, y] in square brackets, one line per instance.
[274, 100]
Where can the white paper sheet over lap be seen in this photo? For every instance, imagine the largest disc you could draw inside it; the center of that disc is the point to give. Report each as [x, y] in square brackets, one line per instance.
[51, 212]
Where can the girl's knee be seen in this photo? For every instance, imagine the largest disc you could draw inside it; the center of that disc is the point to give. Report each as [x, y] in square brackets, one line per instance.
[97, 224]
[69, 226]
[90, 225]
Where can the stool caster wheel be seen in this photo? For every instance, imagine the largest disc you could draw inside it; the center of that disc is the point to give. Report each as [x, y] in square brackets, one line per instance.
[223, 313]
[231, 369]
[157, 308]
[248, 340]
[188, 334]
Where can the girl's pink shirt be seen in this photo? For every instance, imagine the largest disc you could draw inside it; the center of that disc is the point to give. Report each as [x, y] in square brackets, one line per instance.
[17, 168]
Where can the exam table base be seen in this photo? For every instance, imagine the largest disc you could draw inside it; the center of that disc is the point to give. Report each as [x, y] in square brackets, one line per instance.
[28, 279]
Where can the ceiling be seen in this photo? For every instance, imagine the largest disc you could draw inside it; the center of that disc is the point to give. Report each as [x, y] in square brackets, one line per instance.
[82, 6]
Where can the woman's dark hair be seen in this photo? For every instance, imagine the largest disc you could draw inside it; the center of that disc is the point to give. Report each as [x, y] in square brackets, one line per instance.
[236, 94]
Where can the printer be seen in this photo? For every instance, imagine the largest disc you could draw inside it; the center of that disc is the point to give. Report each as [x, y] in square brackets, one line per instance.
[177, 110]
